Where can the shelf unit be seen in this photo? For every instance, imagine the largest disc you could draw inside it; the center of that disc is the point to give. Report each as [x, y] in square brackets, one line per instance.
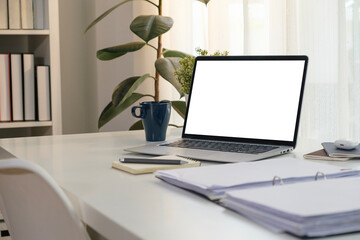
[45, 44]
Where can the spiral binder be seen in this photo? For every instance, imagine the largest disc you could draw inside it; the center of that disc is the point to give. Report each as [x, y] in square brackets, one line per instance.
[215, 181]
[277, 178]
[320, 173]
[281, 182]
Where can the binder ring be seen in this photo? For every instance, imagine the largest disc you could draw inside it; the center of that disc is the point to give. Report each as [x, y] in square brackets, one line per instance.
[277, 178]
[320, 173]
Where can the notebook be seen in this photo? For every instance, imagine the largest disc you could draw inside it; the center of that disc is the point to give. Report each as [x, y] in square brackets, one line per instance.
[139, 168]
[239, 100]
[322, 155]
[333, 151]
[311, 209]
[215, 181]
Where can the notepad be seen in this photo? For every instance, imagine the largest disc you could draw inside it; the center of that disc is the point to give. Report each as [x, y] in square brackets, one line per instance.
[214, 181]
[312, 209]
[322, 155]
[140, 168]
[333, 151]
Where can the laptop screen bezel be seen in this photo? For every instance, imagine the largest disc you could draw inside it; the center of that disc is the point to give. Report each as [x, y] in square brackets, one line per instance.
[250, 58]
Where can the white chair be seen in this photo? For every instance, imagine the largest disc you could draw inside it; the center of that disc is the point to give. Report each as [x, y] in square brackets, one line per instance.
[34, 206]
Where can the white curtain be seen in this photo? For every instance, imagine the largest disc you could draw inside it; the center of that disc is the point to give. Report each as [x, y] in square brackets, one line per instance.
[328, 31]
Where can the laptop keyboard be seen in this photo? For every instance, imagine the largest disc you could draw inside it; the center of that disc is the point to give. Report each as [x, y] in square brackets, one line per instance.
[221, 146]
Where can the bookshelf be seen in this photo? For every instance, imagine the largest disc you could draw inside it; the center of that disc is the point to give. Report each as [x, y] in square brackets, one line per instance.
[45, 45]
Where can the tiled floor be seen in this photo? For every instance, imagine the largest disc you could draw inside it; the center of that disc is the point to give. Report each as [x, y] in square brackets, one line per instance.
[5, 238]
[4, 234]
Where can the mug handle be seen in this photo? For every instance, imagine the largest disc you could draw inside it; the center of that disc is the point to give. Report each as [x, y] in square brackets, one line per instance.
[133, 112]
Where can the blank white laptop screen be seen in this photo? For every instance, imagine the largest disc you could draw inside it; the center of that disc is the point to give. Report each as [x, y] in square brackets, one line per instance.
[255, 99]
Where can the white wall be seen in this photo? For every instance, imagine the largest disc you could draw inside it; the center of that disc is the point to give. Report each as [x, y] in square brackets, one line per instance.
[78, 67]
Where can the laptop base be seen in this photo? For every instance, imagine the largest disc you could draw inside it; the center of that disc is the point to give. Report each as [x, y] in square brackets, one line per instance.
[206, 155]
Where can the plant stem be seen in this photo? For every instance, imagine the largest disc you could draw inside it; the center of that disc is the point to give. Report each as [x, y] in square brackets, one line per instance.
[151, 2]
[152, 46]
[157, 76]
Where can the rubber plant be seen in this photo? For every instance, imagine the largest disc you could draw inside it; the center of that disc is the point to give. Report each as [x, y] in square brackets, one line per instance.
[146, 27]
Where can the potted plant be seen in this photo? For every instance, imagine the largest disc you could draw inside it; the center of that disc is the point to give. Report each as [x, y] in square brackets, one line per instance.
[146, 27]
[184, 72]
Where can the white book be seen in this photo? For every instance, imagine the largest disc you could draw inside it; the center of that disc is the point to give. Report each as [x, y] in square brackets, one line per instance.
[46, 14]
[27, 14]
[5, 100]
[43, 91]
[4, 14]
[17, 87]
[29, 87]
[39, 14]
[14, 14]
[214, 181]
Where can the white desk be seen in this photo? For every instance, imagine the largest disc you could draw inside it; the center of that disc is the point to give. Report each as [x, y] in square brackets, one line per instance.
[123, 206]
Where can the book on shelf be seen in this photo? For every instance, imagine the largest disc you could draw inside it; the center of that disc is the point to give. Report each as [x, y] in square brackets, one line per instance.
[4, 23]
[27, 14]
[43, 93]
[214, 181]
[14, 14]
[17, 87]
[5, 91]
[40, 14]
[29, 87]
[46, 14]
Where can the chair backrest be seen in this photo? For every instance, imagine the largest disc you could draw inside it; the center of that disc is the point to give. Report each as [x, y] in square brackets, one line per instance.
[34, 206]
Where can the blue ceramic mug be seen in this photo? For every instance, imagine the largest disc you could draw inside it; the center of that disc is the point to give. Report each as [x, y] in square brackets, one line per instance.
[155, 118]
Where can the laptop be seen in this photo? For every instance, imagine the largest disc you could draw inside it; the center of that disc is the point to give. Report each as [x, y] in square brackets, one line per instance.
[240, 108]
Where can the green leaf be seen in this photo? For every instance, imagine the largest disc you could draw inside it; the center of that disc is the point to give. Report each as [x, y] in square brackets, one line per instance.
[137, 126]
[173, 53]
[125, 89]
[111, 110]
[117, 51]
[148, 27]
[166, 68]
[179, 107]
[98, 19]
[204, 1]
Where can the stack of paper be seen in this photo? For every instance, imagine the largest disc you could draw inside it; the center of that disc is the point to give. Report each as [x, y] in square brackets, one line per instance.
[215, 181]
[311, 209]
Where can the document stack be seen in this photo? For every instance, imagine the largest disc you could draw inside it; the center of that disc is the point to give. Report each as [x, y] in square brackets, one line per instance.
[311, 209]
[214, 181]
[300, 197]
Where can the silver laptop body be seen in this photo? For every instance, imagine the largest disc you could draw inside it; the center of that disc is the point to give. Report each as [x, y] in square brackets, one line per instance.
[251, 100]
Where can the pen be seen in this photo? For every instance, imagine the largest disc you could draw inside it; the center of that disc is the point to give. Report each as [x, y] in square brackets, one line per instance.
[152, 161]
